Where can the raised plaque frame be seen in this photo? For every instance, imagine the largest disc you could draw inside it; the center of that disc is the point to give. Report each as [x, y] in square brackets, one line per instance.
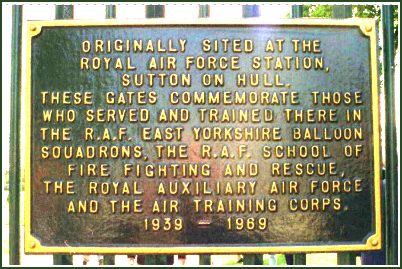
[374, 242]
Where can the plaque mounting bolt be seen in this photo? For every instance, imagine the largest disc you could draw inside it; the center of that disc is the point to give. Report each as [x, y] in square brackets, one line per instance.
[369, 28]
[33, 28]
[374, 242]
[33, 244]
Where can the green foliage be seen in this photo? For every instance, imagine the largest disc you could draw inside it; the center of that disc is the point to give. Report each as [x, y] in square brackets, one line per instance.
[306, 10]
[281, 259]
[374, 11]
[359, 11]
[367, 11]
[396, 22]
[320, 11]
[233, 263]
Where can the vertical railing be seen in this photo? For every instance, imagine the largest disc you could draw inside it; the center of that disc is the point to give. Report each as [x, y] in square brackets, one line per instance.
[205, 259]
[110, 13]
[343, 12]
[252, 11]
[297, 12]
[14, 176]
[63, 12]
[156, 11]
[204, 12]
[391, 158]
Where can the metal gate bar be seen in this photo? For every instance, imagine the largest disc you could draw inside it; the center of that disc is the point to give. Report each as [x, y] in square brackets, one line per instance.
[204, 12]
[343, 12]
[110, 13]
[14, 176]
[297, 12]
[63, 12]
[155, 11]
[252, 11]
[391, 157]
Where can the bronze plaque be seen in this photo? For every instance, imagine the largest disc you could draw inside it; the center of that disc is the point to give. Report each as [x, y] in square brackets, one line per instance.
[165, 137]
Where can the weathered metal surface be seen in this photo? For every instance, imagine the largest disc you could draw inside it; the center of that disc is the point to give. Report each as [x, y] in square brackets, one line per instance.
[343, 12]
[297, 12]
[250, 11]
[63, 12]
[55, 66]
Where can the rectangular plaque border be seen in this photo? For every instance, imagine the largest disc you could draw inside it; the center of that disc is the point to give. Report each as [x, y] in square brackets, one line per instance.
[373, 242]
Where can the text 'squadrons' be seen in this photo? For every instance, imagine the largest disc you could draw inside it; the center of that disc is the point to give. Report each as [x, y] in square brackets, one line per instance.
[222, 137]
